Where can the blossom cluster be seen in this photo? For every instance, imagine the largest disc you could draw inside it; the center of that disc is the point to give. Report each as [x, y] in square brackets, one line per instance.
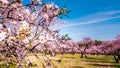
[23, 27]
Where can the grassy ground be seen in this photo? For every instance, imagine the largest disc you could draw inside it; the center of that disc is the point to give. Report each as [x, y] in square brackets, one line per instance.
[74, 61]
[93, 61]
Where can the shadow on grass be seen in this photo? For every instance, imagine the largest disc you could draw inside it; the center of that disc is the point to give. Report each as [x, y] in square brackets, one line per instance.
[90, 59]
[102, 65]
[77, 67]
[68, 57]
[117, 65]
[99, 61]
[106, 66]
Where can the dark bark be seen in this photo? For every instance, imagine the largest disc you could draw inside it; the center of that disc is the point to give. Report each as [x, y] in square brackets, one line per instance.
[116, 58]
[119, 57]
[81, 55]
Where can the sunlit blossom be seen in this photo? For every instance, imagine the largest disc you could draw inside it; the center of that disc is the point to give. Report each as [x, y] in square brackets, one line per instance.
[56, 12]
[25, 40]
[13, 22]
[49, 6]
[56, 6]
[42, 39]
[35, 1]
[46, 16]
[12, 38]
[3, 35]
[27, 11]
[4, 1]
[24, 24]
[0, 26]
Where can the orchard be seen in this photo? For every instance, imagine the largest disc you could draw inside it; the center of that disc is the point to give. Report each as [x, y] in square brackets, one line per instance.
[27, 31]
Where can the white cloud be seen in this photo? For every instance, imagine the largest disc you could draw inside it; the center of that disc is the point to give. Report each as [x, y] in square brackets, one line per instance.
[94, 18]
[74, 30]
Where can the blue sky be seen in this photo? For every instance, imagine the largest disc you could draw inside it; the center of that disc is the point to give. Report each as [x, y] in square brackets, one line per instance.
[98, 19]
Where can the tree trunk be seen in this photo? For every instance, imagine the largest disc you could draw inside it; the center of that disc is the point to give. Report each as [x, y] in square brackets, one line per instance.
[116, 59]
[81, 55]
[119, 57]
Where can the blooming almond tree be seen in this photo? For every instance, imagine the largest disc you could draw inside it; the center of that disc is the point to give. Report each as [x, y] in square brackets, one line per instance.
[107, 48]
[24, 27]
[110, 48]
[84, 45]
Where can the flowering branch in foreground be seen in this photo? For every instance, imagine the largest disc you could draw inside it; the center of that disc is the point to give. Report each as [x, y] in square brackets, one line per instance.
[24, 27]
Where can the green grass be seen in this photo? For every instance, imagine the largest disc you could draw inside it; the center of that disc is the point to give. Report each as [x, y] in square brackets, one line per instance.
[74, 61]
